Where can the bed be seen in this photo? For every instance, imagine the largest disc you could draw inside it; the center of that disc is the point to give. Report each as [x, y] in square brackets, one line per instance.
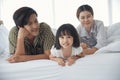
[103, 65]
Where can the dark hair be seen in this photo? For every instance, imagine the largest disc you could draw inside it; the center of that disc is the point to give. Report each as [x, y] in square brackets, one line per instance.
[68, 29]
[84, 8]
[21, 16]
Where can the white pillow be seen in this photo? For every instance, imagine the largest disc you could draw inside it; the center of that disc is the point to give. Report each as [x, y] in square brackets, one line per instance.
[3, 39]
[113, 32]
[54, 31]
[112, 47]
[113, 38]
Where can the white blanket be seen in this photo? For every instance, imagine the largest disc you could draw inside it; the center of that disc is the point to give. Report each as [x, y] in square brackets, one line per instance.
[113, 33]
[92, 67]
[3, 39]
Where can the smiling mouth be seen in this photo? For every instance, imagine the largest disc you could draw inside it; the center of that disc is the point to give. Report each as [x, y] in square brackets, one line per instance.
[65, 44]
[87, 23]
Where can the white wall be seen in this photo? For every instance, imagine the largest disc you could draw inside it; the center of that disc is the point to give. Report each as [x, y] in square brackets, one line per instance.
[57, 12]
[65, 10]
[43, 8]
[115, 11]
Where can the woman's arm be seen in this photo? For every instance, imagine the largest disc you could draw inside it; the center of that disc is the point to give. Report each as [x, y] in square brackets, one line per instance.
[101, 36]
[89, 51]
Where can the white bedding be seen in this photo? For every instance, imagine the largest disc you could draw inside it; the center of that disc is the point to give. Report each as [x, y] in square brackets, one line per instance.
[3, 39]
[103, 65]
[113, 39]
[92, 67]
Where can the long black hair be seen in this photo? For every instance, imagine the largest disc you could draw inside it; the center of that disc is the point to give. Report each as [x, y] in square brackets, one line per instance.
[67, 29]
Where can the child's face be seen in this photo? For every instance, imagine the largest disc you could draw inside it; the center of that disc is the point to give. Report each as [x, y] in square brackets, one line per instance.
[66, 41]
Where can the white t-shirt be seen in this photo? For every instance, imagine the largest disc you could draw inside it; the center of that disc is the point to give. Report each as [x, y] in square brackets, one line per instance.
[58, 53]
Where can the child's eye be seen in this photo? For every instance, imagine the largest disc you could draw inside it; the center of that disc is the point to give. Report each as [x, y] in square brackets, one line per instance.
[69, 37]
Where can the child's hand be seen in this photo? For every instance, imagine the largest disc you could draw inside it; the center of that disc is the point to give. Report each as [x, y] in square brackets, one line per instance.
[71, 60]
[61, 61]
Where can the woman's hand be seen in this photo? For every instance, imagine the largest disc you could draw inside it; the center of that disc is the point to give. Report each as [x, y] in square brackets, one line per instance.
[89, 51]
[84, 45]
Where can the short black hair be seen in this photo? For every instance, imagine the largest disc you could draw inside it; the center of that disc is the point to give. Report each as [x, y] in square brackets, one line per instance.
[21, 16]
[84, 7]
[68, 29]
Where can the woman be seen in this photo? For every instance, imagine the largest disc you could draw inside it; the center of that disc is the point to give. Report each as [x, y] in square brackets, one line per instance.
[91, 32]
[29, 40]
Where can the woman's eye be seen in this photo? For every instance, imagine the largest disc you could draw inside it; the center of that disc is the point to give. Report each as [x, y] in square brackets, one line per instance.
[82, 17]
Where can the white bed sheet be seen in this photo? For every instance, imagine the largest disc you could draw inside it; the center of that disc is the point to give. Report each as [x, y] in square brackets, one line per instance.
[92, 67]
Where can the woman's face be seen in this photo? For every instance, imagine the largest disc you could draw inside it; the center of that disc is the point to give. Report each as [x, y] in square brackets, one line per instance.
[33, 26]
[86, 18]
[66, 41]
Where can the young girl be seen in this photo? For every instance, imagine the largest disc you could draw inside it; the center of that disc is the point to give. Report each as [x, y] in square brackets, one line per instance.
[66, 48]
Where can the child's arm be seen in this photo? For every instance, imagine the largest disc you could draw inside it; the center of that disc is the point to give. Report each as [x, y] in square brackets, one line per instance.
[57, 59]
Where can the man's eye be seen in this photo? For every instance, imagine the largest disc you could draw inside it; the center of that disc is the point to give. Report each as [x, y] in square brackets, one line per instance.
[62, 37]
[36, 21]
[29, 23]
